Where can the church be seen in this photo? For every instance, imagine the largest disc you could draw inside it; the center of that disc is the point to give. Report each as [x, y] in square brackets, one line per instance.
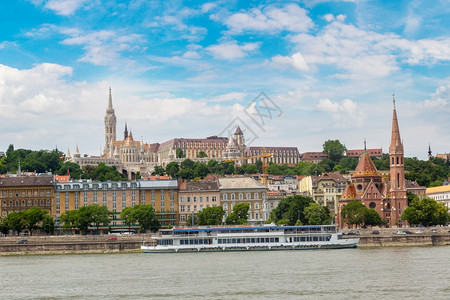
[389, 199]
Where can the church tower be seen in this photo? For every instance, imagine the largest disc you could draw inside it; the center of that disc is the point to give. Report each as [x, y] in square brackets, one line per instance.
[110, 128]
[399, 200]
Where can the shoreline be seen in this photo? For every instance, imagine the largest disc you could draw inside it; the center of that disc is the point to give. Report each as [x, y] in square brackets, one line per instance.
[101, 244]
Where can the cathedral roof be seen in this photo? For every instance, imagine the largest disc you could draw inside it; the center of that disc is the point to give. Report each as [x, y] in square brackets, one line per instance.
[238, 131]
[365, 167]
[349, 193]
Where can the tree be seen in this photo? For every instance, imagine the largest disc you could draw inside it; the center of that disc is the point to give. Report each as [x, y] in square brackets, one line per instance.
[372, 218]
[291, 208]
[48, 224]
[317, 215]
[201, 170]
[100, 215]
[192, 220]
[70, 219]
[172, 169]
[239, 214]
[426, 212]
[4, 227]
[72, 168]
[33, 217]
[158, 171]
[211, 215]
[145, 216]
[180, 153]
[353, 213]
[128, 217]
[202, 154]
[334, 149]
[16, 221]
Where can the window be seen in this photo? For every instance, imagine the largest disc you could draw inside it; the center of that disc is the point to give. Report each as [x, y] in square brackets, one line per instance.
[241, 196]
[195, 199]
[232, 196]
[188, 199]
[214, 199]
[256, 196]
[162, 195]
[182, 208]
[207, 199]
[201, 199]
[225, 197]
[153, 195]
[182, 200]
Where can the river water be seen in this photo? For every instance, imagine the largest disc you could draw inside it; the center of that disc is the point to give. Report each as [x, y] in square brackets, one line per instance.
[376, 273]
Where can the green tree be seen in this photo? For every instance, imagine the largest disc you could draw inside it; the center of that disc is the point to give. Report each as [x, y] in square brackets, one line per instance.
[16, 221]
[211, 215]
[145, 216]
[158, 171]
[202, 154]
[48, 224]
[72, 168]
[317, 214]
[70, 219]
[353, 213]
[33, 217]
[4, 227]
[334, 149]
[172, 169]
[201, 170]
[192, 220]
[100, 215]
[372, 218]
[239, 214]
[426, 212]
[291, 208]
[180, 153]
[128, 217]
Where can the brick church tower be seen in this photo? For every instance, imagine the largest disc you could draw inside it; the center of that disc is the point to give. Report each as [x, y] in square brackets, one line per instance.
[399, 200]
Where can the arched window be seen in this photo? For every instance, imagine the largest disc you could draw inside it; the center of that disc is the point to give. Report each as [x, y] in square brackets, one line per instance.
[256, 196]
[241, 196]
[225, 197]
[248, 196]
[232, 196]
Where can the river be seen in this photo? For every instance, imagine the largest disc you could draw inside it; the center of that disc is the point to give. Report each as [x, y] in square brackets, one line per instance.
[376, 273]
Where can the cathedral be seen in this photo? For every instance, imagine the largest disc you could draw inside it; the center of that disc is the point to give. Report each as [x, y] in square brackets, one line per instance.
[388, 198]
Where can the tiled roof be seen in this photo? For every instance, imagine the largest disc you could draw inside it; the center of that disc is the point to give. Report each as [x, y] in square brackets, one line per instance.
[349, 193]
[199, 186]
[438, 189]
[365, 167]
[26, 181]
[239, 183]
[358, 152]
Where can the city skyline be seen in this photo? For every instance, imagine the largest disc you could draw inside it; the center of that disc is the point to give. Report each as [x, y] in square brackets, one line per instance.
[190, 69]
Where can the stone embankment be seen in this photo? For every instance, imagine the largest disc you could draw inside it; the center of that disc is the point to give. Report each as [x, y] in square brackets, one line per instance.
[386, 237]
[71, 244]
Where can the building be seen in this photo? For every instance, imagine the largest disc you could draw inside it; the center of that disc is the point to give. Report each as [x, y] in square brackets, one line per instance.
[282, 155]
[357, 152]
[445, 156]
[131, 157]
[117, 195]
[284, 183]
[440, 194]
[387, 198]
[325, 189]
[24, 192]
[235, 190]
[273, 199]
[313, 157]
[195, 196]
[414, 188]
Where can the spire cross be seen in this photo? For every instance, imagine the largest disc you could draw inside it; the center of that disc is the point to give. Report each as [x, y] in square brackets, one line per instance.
[365, 148]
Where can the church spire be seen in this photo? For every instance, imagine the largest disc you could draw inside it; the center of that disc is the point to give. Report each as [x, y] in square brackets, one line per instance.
[110, 126]
[396, 142]
[110, 106]
[125, 133]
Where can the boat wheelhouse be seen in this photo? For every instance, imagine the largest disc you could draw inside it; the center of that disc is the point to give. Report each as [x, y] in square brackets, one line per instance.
[242, 238]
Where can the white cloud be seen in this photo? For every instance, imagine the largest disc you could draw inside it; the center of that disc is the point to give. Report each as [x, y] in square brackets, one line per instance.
[345, 114]
[231, 50]
[295, 61]
[64, 7]
[208, 7]
[233, 96]
[271, 18]
[103, 47]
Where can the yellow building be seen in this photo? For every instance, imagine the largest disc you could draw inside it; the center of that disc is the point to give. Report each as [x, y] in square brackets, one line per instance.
[116, 196]
[325, 189]
[24, 192]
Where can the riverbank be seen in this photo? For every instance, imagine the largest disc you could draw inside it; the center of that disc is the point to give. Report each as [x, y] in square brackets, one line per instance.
[79, 244]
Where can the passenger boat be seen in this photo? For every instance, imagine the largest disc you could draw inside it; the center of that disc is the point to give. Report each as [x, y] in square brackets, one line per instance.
[243, 238]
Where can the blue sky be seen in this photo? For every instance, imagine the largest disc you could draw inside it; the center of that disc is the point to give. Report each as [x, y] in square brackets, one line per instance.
[194, 69]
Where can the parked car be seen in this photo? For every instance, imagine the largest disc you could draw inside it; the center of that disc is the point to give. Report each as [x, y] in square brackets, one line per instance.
[419, 231]
[433, 231]
[375, 232]
[114, 238]
[22, 242]
[400, 232]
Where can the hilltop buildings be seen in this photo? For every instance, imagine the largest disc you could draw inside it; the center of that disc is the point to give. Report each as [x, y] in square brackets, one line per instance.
[130, 156]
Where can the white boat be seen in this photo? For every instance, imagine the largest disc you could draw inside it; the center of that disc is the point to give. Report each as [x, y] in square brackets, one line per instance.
[243, 238]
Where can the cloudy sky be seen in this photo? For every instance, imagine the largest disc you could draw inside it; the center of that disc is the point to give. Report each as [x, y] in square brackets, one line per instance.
[289, 73]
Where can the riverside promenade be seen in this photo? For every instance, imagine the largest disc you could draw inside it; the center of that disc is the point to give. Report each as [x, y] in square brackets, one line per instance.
[81, 244]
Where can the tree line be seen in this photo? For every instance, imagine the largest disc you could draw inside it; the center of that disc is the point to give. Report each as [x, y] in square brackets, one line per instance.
[31, 219]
